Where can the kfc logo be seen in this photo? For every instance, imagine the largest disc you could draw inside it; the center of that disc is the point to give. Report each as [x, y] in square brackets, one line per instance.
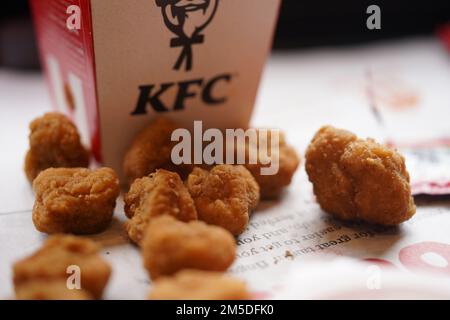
[187, 19]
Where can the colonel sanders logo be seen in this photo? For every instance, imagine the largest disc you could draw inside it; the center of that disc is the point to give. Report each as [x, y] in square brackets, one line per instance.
[187, 19]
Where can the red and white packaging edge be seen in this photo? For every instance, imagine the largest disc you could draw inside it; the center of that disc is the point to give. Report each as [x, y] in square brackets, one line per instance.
[132, 61]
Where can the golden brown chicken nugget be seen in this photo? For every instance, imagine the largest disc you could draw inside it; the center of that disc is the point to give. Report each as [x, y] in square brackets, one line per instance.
[170, 245]
[74, 200]
[50, 290]
[224, 196]
[199, 285]
[52, 265]
[162, 192]
[357, 179]
[151, 150]
[272, 185]
[54, 143]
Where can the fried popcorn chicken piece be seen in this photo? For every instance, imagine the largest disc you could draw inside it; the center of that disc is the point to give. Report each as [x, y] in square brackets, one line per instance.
[50, 290]
[199, 285]
[151, 150]
[74, 200]
[224, 196]
[43, 275]
[271, 186]
[54, 143]
[357, 179]
[163, 192]
[170, 245]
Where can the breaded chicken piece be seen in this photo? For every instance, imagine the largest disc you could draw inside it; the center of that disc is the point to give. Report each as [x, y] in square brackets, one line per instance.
[357, 179]
[50, 290]
[224, 196]
[271, 186]
[74, 200]
[170, 245]
[151, 150]
[44, 274]
[199, 285]
[54, 143]
[162, 192]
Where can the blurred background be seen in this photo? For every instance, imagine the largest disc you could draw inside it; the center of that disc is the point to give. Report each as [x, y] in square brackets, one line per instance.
[302, 24]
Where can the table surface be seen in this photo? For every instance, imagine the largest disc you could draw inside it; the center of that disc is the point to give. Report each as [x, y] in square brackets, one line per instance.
[300, 92]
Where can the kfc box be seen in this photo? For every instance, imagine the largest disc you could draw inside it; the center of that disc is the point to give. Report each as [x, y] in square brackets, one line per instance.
[114, 65]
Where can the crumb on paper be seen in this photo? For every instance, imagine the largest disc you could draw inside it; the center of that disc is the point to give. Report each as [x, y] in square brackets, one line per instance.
[288, 255]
